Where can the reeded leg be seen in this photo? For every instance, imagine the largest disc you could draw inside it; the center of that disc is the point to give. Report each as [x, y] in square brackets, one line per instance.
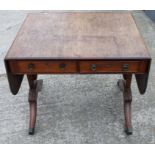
[125, 87]
[35, 86]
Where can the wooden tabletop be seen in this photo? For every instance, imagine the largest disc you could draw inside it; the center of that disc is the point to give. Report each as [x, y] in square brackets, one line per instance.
[78, 35]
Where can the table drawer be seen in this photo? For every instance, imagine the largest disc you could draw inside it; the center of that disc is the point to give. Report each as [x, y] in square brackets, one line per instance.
[43, 66]
[112, 66]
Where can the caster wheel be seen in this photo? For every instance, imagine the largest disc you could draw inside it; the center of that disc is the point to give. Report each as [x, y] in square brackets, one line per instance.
[31, 131]
[128, 131]
[118, 83]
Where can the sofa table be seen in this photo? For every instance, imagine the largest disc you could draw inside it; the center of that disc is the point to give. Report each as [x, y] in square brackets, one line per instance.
[82, 42]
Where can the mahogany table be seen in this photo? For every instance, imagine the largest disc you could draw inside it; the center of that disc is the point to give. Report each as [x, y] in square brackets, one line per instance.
[78, 43]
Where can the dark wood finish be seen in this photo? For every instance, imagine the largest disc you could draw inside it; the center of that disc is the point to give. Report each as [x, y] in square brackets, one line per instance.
[13, 79]
[142, 79]
[35, 86]
[113, 66]
[125, 87]
[45, 67]
[82, 43]
[78, 35]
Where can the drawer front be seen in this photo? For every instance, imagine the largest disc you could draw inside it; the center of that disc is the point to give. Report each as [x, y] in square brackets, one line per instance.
[112, 66]
[43, 67]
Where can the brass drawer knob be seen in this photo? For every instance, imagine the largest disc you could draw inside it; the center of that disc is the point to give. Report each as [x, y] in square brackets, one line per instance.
[93, 67]
[125, 67]
[31, 66]
[62, 66]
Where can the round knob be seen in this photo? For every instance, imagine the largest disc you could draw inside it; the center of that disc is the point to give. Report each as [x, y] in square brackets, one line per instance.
[93, 67]
[62, 66]
[31, 66]
[125, 67]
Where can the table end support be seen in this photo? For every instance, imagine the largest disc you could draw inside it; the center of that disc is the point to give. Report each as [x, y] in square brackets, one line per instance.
[125, 87]
[35, 86]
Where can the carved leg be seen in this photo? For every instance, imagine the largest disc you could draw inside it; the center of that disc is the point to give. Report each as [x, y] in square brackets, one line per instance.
[35, 86]
[125, 87]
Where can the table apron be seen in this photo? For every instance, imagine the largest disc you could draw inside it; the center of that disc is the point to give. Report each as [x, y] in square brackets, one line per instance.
[77, 67]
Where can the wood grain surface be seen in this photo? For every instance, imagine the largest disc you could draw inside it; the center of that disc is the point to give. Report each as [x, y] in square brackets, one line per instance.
[78, 35]
[60, 67]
